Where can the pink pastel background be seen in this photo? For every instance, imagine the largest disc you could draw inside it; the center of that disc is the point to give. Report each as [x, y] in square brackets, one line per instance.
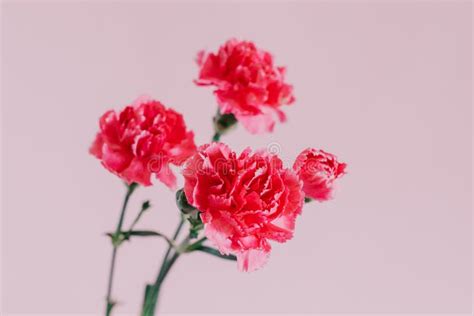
[384, 85]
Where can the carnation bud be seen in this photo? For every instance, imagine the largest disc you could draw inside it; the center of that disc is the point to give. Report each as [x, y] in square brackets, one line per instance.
[224, 122]
[190, 213]
[183, 204]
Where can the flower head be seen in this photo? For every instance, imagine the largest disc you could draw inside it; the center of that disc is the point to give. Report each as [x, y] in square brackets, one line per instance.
[245, 200]
[248, 84]
[318, 170]
[143, 139]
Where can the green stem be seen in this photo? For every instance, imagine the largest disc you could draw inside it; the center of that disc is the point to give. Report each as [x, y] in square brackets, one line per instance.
[152, 291]
[145, 207]
[109, 301]
[216, 137]
[168, 251]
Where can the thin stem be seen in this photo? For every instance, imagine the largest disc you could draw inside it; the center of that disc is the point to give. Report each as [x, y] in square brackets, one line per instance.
[152, 291]
[109, 301]
[216, 137]
[178, 229]
[168, 251]
[144, 208]
[166, 269]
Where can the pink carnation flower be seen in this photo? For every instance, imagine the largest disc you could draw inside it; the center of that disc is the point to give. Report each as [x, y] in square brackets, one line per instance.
[247, 83]
[318, 170]
[143, 139]
[245, 201]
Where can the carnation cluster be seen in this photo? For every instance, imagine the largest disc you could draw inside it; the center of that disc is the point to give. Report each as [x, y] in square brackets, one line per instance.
[234, 206]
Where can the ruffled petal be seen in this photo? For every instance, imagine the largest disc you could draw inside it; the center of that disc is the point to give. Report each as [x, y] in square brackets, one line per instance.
[137, 172]
[116, 159]
[258, 124]
[252, 259]
[96, 147]
[167, 176]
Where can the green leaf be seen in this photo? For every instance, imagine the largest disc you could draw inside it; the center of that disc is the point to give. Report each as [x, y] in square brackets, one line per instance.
[215, 252]
[143, 233]
[196, 245]
[125, 235]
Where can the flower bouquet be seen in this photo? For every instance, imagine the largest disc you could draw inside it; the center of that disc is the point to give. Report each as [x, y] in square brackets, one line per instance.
[232, 204]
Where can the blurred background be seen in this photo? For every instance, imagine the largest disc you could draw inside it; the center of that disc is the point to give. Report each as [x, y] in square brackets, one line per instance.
[384, 85]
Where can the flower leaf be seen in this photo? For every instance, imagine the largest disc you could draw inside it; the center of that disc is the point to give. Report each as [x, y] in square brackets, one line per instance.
[125, 235]
[144, 233]
[215, 252]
